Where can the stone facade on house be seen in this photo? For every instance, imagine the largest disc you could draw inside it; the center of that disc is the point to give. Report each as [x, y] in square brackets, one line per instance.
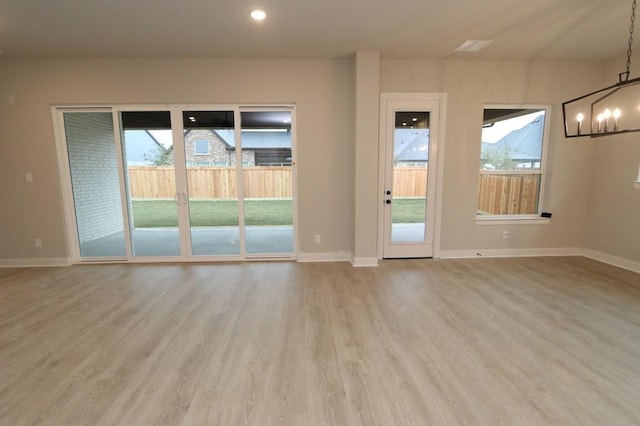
[219, 153]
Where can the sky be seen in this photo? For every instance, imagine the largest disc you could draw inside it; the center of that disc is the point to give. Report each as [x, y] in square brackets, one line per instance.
[502, 128]
[163, 136]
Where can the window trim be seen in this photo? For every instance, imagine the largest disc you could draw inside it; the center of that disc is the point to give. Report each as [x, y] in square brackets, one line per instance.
[512, 220]
[497, 219]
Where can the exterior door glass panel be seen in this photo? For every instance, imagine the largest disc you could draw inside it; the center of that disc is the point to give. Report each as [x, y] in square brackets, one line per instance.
[210, 155]
[95, 183]
[410, 160]
[148, 149]
[267, 175]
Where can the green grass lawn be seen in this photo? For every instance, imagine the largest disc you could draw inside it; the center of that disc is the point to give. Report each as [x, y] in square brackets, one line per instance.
[164, 213]
[408, 210]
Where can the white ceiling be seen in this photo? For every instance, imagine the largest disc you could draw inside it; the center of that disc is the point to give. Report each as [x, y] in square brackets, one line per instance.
[521, 29]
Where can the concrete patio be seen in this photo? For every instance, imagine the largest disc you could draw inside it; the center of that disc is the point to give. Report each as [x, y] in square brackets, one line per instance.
[217, 241]
[205, 241]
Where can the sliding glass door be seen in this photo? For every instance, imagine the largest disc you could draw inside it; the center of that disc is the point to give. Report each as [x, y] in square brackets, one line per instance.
[181, 182]
[267, 181]
[153, 201]
[212, 180]
[92, 160]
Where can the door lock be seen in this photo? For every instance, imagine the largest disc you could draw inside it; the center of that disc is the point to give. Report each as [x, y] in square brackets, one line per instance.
[387, 193]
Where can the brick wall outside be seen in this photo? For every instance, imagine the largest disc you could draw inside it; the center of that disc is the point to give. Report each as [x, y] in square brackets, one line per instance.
[94, 174]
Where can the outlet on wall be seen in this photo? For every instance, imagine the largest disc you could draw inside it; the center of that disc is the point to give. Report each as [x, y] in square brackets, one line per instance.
[38, 242]
[505, 235]
[317, 239]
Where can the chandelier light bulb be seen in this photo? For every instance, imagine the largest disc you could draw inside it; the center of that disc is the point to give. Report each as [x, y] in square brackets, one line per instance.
[607, 115]
[580, 117]
[600, 117]
[616, 115]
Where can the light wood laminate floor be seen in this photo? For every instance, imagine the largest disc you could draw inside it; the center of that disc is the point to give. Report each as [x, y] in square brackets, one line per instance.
[529, 341]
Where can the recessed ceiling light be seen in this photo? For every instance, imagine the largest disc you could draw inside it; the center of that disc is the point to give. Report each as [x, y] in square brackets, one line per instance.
[473, 45]
[414, 119]
[258, 15]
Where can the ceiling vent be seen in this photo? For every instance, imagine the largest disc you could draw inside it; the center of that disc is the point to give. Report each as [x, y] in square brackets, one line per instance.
[473, 45]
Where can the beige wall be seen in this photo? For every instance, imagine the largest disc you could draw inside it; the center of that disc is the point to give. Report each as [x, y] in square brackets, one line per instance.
[613, 225]
[321, 89]
[367, 107]
[588, 191]
[471, 84]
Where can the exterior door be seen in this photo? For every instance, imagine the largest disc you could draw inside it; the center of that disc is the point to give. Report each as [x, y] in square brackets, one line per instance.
[91, 156]
[154, 187]
[211, 157]
[267, 177]
[409, 147]
[173, 182]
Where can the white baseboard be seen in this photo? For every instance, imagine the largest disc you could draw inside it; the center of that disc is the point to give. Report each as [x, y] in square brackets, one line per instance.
[531, 252]
[567, 251]
[341, 256]
[35, 263]
[373, 261]
[362, 262]
[612, 260]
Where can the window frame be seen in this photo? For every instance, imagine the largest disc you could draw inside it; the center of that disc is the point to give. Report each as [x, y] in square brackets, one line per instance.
[533, 218]
[195, 147]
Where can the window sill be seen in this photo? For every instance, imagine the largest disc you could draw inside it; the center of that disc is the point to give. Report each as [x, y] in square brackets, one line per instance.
[512, 221]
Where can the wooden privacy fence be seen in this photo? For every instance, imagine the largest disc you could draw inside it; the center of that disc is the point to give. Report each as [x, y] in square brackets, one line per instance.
[211, 182]
[409, 181]
[497, 193]
[508, 194]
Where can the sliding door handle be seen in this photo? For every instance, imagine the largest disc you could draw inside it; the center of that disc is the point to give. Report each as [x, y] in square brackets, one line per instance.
[181, 198]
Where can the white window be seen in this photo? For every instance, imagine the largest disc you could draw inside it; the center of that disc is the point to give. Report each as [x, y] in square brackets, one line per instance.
[512, 162]
[201, 147]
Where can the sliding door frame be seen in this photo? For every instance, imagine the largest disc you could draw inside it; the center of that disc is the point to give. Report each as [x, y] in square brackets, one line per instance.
[177, 126]
[267, 108]
[72, 237]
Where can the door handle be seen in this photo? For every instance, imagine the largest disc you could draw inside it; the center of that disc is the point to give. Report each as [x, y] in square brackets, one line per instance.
[388, 201]
[181, 198]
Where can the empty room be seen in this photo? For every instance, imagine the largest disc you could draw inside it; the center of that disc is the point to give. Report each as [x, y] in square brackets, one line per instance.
[319, 213]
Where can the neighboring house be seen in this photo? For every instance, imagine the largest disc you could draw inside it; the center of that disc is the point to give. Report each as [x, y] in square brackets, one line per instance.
[523, 147]
[259, 147]
[411, 147]
[204, 147]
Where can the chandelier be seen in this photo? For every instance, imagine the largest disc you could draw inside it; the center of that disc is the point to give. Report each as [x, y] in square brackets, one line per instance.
[607, 111]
